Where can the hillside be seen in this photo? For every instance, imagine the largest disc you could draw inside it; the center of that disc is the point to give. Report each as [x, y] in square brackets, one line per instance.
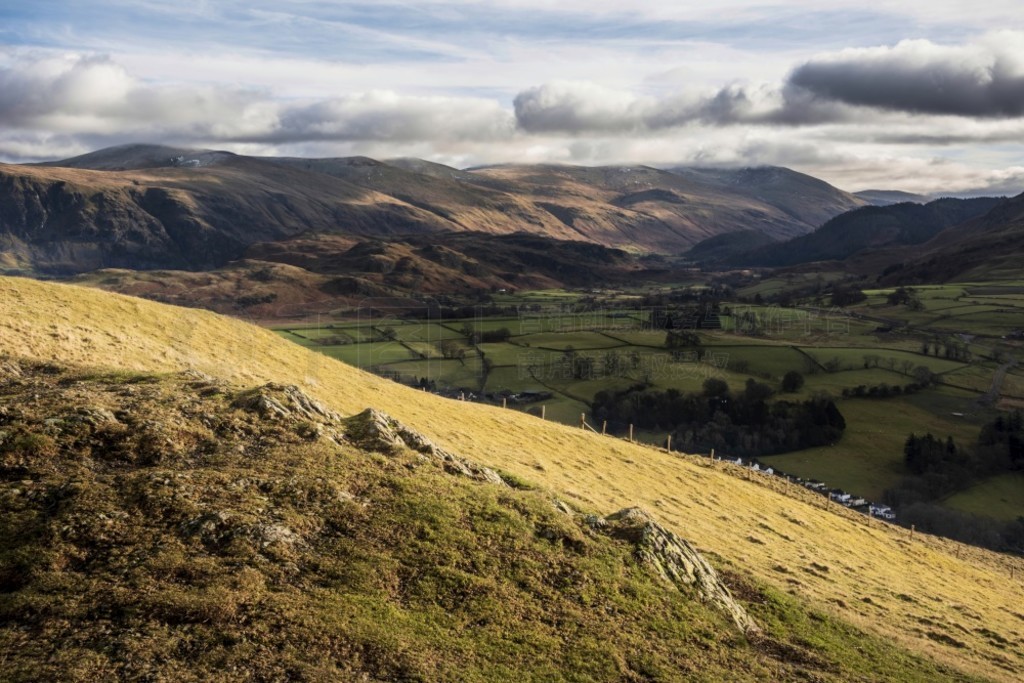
[805, 198]
[871, 227]
[990, 247]
[887, 197]
[666, 210]
[938, 599]
[727, 247]
[306, 275]
[188, 528]
[456, 262]
[146, 207]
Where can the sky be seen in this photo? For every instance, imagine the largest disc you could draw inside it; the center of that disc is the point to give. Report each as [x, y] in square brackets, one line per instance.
[922, 96]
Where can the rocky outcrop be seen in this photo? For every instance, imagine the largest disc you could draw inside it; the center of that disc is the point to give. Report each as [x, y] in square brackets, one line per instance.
[674, 559]
[276, 401]
[288, 403]
[373, 430]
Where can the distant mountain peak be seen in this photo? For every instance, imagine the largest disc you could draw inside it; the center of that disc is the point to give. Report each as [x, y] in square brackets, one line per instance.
[139, 156]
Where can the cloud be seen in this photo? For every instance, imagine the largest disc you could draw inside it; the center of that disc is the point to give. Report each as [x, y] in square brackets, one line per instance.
[388, 116]
[576, 107]
[94, 96]
[86, 85]
[981, 80]
[586, 108]
[984, 80]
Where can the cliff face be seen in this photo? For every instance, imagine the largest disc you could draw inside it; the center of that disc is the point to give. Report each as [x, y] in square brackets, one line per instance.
[63, 226]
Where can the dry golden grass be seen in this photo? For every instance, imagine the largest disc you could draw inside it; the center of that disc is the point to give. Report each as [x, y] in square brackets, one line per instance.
[961, 610]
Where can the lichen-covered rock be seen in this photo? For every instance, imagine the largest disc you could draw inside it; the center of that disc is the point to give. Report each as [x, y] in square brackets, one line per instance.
[92, 416]
[283, 401]
[373, 430]
[674, 559]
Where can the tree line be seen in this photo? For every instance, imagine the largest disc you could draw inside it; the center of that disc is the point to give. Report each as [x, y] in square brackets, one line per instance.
[742, 423]
[941, 467]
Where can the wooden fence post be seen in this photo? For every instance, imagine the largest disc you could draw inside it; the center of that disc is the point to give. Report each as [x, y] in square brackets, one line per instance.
[912, 532]
[712, 453]
[604, 427]
[504, 402]
[543, 412]
[631, 433]
[583, 420]
[669, 446]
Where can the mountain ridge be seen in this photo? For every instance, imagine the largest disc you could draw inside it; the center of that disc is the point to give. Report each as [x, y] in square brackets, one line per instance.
[144, 206]
[867, 229]
[989, 246]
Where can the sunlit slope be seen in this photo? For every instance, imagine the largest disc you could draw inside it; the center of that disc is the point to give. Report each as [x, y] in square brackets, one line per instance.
[965, 611]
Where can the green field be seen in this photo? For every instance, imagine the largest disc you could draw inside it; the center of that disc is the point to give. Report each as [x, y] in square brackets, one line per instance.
[977, 309]
[1000, 497]
[975, 377]
[835, 382]
[830, 348]
[576, 340]
[869, 457]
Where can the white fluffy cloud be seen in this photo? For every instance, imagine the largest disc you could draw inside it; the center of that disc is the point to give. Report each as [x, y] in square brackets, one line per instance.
[93, 95]
[388, 116]
[96, 97]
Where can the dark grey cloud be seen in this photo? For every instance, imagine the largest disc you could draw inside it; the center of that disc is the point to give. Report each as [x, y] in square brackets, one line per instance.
[922, 78]
[917, 77]
[582, 108]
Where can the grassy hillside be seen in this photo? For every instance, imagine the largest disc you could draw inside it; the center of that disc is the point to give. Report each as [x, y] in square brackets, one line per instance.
[949, 602]
[173, 527]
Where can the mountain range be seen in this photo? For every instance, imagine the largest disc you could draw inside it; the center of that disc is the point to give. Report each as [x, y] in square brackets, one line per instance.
[145, 207]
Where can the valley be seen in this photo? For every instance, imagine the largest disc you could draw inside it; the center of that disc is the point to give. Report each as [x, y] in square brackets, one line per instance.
[551, 352]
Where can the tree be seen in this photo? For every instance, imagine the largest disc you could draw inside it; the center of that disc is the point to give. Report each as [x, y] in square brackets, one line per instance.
[499, 335]
[714, 387]
[681, 339]
[923, 375]
[756, 391]
[847, 295]
[450, 350]
[792, 382]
